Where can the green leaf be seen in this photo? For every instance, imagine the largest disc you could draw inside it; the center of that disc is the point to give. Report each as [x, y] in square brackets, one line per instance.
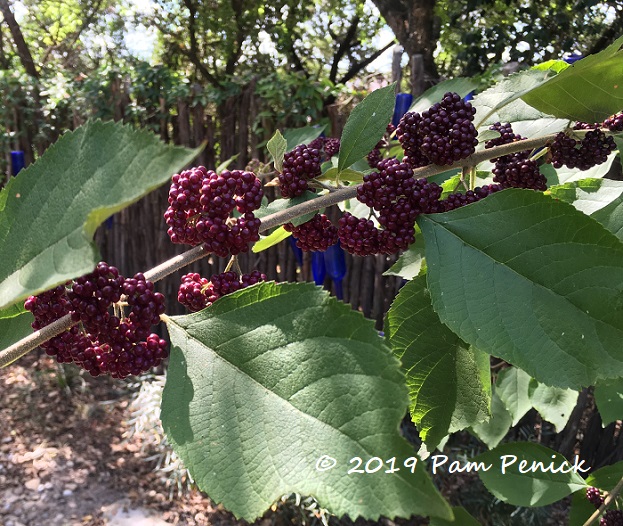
[12, 311]
[528, 484]
[589, 90]
[554, 65]
[53, 208]
[451, 186]
[268, 241]
[461, 517]
[366, 125]
[332, 174]
[271, 379]
[296, 136]
[226, 163]
[14, 328]
[602, 199]
[609, 400]
[553, 403]
[277, 147]
[513, 388]
[514, 275]
[490, 102]
[449, 383]
[460, 85]
[278, 205]
[409, 264]
[494, 430]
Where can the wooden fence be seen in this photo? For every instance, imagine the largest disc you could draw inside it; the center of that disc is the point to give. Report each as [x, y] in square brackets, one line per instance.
[135, 239]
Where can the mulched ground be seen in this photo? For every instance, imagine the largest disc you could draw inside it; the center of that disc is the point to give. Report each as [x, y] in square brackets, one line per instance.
[63, 459]
[64, 462]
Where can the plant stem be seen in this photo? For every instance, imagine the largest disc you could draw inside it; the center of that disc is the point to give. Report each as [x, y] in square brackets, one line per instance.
[611, 496]
[27, 344]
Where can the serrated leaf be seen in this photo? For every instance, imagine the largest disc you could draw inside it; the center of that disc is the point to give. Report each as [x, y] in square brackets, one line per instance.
[410, 263]
[277, 147]
[278, 205]
[513, 388]
[461, 518]
[460, 85]
[609, 400]
[492, 431]
[554, 65]
[553, 403]
[449, 383]
[366, 125]
[271, 240]
[53, 208]
[490, 102]
[514, 275]
[589, 90]
[528, 487]
[296, 136]
[270, 379]
[14, 328]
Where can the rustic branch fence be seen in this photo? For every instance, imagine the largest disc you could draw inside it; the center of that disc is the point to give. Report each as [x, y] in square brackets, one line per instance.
[227, 131]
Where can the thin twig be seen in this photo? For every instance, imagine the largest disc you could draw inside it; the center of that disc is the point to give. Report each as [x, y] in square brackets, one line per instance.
[611, 496]
[32, 341]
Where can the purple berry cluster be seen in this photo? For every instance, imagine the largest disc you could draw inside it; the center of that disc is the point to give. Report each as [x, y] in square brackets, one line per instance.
[103, 343]
[583, 154]
[515, 170]
[299, 166]
[615, 122]
[200, 204]
[611, 517]
[327, 147]
[197, 293]
[593, 495]
[399, 199]
[316, 234]
[457, 200]
[441, 135]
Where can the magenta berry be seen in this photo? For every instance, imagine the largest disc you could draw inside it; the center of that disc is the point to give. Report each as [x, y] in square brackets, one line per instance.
[299, 165]
[200, 204]
[316, 234]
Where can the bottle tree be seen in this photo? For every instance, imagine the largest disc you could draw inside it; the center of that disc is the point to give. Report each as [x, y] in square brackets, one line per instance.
[511, 244]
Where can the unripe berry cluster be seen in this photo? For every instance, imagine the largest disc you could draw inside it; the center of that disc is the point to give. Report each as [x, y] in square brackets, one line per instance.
[441, 135]
[316, 234]
[299, 166]
[200, 204]
[197, 293]
[103, 343]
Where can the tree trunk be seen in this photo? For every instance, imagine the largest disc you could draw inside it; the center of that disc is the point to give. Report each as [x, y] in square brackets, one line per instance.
[20, 44]
[412, 21]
